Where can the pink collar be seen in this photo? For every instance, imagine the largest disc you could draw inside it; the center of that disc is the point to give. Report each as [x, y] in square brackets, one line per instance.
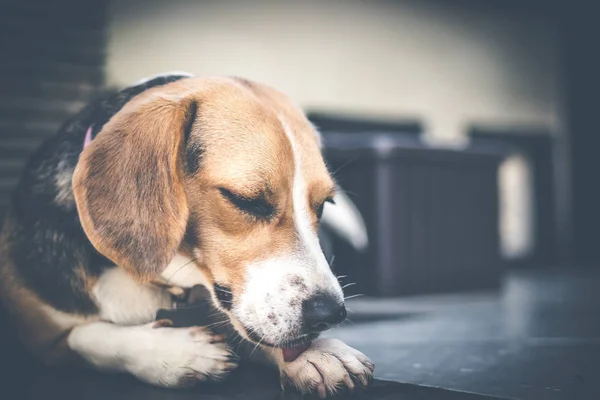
[88, 138]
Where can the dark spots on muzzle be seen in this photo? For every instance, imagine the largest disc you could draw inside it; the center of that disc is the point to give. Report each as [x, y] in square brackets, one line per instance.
[224, 296]
[273, 319]
[298, 283]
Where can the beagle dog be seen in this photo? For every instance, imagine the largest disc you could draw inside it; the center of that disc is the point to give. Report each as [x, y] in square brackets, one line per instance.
[175, 182]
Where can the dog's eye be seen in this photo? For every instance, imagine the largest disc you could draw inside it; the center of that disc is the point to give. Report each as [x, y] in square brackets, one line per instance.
[257, 207]
[322, 206]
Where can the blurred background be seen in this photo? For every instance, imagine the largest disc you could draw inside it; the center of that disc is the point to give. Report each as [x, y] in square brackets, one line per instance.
[464, 132]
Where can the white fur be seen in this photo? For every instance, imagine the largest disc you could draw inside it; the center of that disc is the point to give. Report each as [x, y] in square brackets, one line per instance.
[269, 289]
[326, 367]
[62, 179]
[316, 131]
[124, 301]
[168, 357]
[183, 271]
[312, 253]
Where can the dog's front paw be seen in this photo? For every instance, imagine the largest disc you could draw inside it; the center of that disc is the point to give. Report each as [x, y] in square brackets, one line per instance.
[180, 357]
[327, 366]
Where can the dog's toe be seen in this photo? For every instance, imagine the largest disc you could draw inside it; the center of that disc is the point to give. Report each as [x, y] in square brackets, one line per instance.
[327, 367]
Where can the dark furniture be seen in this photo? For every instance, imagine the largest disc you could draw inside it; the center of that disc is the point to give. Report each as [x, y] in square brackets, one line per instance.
[431, 214]
[539, 147]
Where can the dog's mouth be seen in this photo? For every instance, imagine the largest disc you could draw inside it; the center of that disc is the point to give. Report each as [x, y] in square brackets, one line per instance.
[291, 349]
[291, 353]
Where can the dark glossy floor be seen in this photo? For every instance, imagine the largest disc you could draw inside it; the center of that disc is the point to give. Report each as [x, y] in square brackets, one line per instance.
[538, 339]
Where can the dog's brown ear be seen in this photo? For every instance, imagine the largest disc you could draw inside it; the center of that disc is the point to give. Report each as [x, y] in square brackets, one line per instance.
[129, 184]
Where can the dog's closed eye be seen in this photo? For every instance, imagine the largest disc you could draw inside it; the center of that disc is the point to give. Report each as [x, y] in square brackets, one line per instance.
[257, 207]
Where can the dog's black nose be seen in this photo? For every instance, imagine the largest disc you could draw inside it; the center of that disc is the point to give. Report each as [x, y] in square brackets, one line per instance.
[321, 312]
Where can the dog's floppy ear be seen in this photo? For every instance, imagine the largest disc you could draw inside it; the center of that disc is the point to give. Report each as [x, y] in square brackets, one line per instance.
[129, 184]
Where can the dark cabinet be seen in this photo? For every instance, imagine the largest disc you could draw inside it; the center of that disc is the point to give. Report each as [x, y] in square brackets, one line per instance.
[431, 214]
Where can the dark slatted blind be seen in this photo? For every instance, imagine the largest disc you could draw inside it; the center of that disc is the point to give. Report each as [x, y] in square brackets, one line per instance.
[52, 55]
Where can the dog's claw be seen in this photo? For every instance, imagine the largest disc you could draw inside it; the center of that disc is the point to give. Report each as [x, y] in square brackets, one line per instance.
[322, 390]
[364, 380]
[162, 323]
[230, 366]
[349, 383]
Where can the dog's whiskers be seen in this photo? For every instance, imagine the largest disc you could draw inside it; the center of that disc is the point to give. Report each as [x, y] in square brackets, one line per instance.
[353, 296]
[238, 340]
[342, 166]
[348, 285]
[217, 324]
[215, 313]
[257, 344]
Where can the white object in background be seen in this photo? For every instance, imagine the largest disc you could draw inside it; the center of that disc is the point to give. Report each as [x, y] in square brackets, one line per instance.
[516, 207]
[345, 220]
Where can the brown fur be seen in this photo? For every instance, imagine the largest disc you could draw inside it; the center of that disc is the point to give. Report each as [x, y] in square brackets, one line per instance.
[245, 151]
[129, 190]
[138, 207]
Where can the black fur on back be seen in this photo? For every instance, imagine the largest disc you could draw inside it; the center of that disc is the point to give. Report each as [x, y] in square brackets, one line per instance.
[45, 239]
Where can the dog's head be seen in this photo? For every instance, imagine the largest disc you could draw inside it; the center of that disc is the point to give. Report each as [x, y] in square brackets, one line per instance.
[232, 171]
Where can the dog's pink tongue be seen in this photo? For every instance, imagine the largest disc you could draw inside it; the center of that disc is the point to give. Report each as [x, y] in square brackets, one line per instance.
[291, 353]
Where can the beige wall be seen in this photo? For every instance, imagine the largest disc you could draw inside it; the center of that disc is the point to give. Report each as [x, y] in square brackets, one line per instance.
[417, 59]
